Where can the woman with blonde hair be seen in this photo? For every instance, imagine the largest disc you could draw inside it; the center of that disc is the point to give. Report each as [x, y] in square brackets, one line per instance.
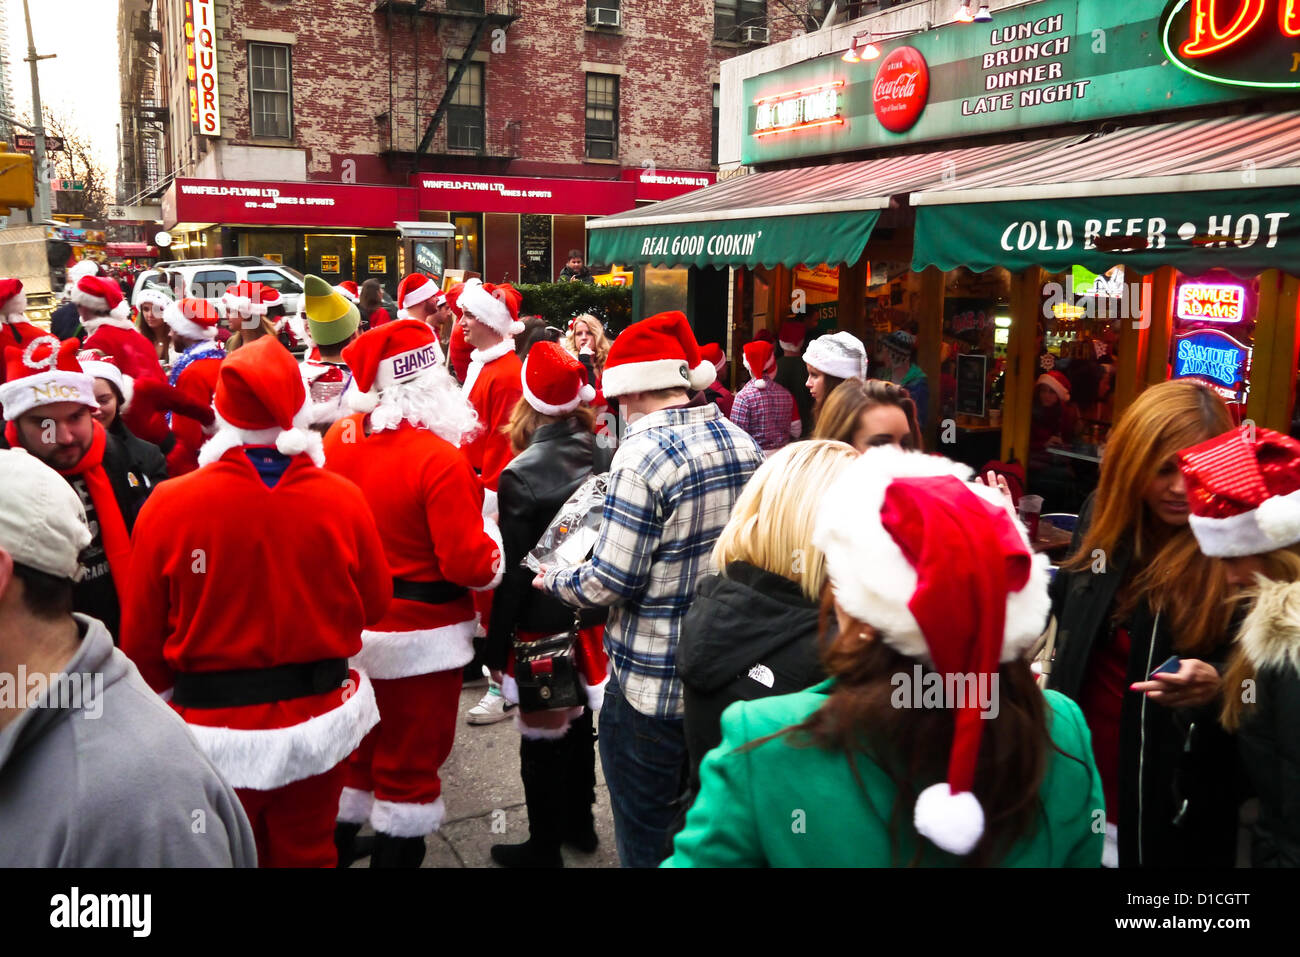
[1135, 592]
[868, 414]
[1244, 489]
[585, 336]
[752, 629]
[929, 744]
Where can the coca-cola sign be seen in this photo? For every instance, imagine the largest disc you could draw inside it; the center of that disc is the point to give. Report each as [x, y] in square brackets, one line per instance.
[901, 89]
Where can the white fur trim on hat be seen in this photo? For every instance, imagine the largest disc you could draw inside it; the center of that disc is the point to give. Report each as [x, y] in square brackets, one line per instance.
[293, 441]
[83, 298]
[153, 295]
[19, 396]
[656, 374]
[1274, 524]
[115, 320]
[877, 592]
[355, 805]
[585, 394]
[355, 300]
[841, 355]
[186, 327]
[405, 366]
[403, 314]
[243, 306]
[489, 310]
[402, 819]
[111, 373]
[15, 305]
[760, 381]
[954, 822]
[1054, 384]
[270, 758]
[416, 296]
[388, 655]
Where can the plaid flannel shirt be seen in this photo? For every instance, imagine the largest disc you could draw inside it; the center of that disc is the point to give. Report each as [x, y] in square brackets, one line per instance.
[672, 485]
[767, 414]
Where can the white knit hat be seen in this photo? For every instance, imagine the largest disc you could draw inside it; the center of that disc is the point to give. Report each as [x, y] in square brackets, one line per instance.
[839, 354]
[42, 521]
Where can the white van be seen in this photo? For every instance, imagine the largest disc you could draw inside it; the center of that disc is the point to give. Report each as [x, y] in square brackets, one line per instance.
[210, 278]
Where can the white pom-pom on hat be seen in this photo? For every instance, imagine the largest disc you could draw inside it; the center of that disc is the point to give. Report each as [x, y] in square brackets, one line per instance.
[953, 822]
[1279, 519]
[363, 401]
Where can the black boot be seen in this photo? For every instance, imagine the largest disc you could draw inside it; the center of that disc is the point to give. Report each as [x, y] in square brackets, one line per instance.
[540, 767]
[393, 851]
[350, 845]
[579, 783]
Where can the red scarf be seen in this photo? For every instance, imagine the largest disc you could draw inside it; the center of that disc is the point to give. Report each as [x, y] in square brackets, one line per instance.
[112, 528]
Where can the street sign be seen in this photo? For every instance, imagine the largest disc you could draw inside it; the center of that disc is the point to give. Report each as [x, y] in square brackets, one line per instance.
[26, 143]
[67, 185]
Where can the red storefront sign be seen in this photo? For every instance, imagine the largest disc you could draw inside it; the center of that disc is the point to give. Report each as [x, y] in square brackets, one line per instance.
[234, 202]
[522, 194]
[901, 89]
[657, 184]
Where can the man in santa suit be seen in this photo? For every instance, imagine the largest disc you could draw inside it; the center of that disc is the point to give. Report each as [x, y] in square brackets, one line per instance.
[415, 297]
[266, 688]
[187, 394]
[428, 505]
[14, 331]
[333, 322]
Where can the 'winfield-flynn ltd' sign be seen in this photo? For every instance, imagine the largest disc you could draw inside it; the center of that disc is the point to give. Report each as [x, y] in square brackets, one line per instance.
[1041, 64]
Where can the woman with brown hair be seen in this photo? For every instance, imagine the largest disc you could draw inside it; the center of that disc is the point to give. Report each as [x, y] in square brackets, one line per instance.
[1135, 591]
[867, 414]
[1244, 489]
[150, 303]
[831, 359]
[930, 744]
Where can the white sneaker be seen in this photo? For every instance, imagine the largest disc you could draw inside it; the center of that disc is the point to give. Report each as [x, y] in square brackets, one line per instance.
[491, 708]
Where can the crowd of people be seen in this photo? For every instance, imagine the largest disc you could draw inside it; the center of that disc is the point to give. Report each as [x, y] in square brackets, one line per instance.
[808, 641]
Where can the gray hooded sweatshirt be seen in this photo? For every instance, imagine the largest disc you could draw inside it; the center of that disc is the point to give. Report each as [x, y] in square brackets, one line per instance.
[102, 773]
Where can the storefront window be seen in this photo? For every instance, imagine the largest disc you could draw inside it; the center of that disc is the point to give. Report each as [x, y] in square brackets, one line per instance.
[534, 248]
[469, 232]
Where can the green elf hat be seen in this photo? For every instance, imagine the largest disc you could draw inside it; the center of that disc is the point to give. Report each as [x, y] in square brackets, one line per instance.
[331, 319]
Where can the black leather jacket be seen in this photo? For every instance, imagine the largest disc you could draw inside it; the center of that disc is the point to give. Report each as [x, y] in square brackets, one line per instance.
[530, 491]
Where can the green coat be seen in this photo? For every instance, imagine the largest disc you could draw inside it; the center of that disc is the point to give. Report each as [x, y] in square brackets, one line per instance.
[783, 806]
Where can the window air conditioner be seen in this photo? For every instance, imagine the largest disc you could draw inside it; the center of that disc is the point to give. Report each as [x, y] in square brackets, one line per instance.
[754, 35]
[603, 17]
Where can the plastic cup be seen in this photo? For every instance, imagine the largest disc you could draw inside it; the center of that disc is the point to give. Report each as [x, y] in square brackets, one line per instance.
[1031, 506]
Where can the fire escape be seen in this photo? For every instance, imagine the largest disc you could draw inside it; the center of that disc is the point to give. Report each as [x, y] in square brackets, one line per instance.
[144, 143]
[459, 126]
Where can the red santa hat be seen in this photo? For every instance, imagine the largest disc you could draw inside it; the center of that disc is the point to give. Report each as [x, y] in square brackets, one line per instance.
[192, 318]
[1057, 382]
[349, 291]
[247, 299]
[13, 301]
[459, 351]
[396, 352]
[45, 371]
[712, 352]
[656, 353]
[98, 365]
[953, 583]
[414, 289]
[496, 305]
[104, 297]
[791, 335]
[760, 362]
[1244, 491]
[554, 382]
[261, 400]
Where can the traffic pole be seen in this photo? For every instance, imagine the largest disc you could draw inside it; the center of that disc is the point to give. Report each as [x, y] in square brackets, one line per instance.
[43, 208]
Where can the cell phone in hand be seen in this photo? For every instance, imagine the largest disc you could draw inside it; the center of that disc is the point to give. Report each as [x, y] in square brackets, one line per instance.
[1169, 666]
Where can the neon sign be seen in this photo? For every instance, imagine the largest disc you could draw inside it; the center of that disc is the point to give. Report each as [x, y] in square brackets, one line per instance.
[799, 109]
[1209, 354]
[1232, 42]
[201, 53]
[1211, 302]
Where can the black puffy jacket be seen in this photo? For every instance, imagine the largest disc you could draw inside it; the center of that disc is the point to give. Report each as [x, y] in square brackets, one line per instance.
[530, 491]
[748, 634]
[148, 460]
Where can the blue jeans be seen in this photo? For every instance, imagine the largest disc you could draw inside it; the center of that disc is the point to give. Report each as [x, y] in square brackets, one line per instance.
[646, 767]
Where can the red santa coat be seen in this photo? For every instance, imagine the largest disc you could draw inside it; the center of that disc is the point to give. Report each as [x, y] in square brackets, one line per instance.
[294, 580]
[428, 506]
[494, 390]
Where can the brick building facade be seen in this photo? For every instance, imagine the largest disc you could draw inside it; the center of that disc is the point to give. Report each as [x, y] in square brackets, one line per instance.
[562, 95]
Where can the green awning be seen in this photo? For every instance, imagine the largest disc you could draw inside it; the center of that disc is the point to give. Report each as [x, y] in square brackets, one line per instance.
[1244, 230]
[787, 240]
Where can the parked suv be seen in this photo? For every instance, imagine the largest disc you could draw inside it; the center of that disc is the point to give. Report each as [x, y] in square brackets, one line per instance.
[210, 278]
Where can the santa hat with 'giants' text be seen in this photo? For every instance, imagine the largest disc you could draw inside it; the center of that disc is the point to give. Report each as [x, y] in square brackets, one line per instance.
[397, 351]
[953, 583]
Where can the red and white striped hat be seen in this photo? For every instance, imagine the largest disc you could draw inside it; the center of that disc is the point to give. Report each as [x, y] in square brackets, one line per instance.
[554, 382]
[1243, 488]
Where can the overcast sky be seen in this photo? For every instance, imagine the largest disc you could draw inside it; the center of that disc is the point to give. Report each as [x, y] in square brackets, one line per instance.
[81, 82]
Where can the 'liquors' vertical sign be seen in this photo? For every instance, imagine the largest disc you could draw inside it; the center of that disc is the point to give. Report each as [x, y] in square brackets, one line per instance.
[201, 54]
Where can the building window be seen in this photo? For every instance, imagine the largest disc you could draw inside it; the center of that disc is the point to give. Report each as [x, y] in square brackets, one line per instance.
[713, 154]
[272, 101]
[465, 113]
[730, 17]
[602, 116]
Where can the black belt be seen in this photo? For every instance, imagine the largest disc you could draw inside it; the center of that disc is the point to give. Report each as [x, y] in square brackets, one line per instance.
[431, 593]
[235, 689]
